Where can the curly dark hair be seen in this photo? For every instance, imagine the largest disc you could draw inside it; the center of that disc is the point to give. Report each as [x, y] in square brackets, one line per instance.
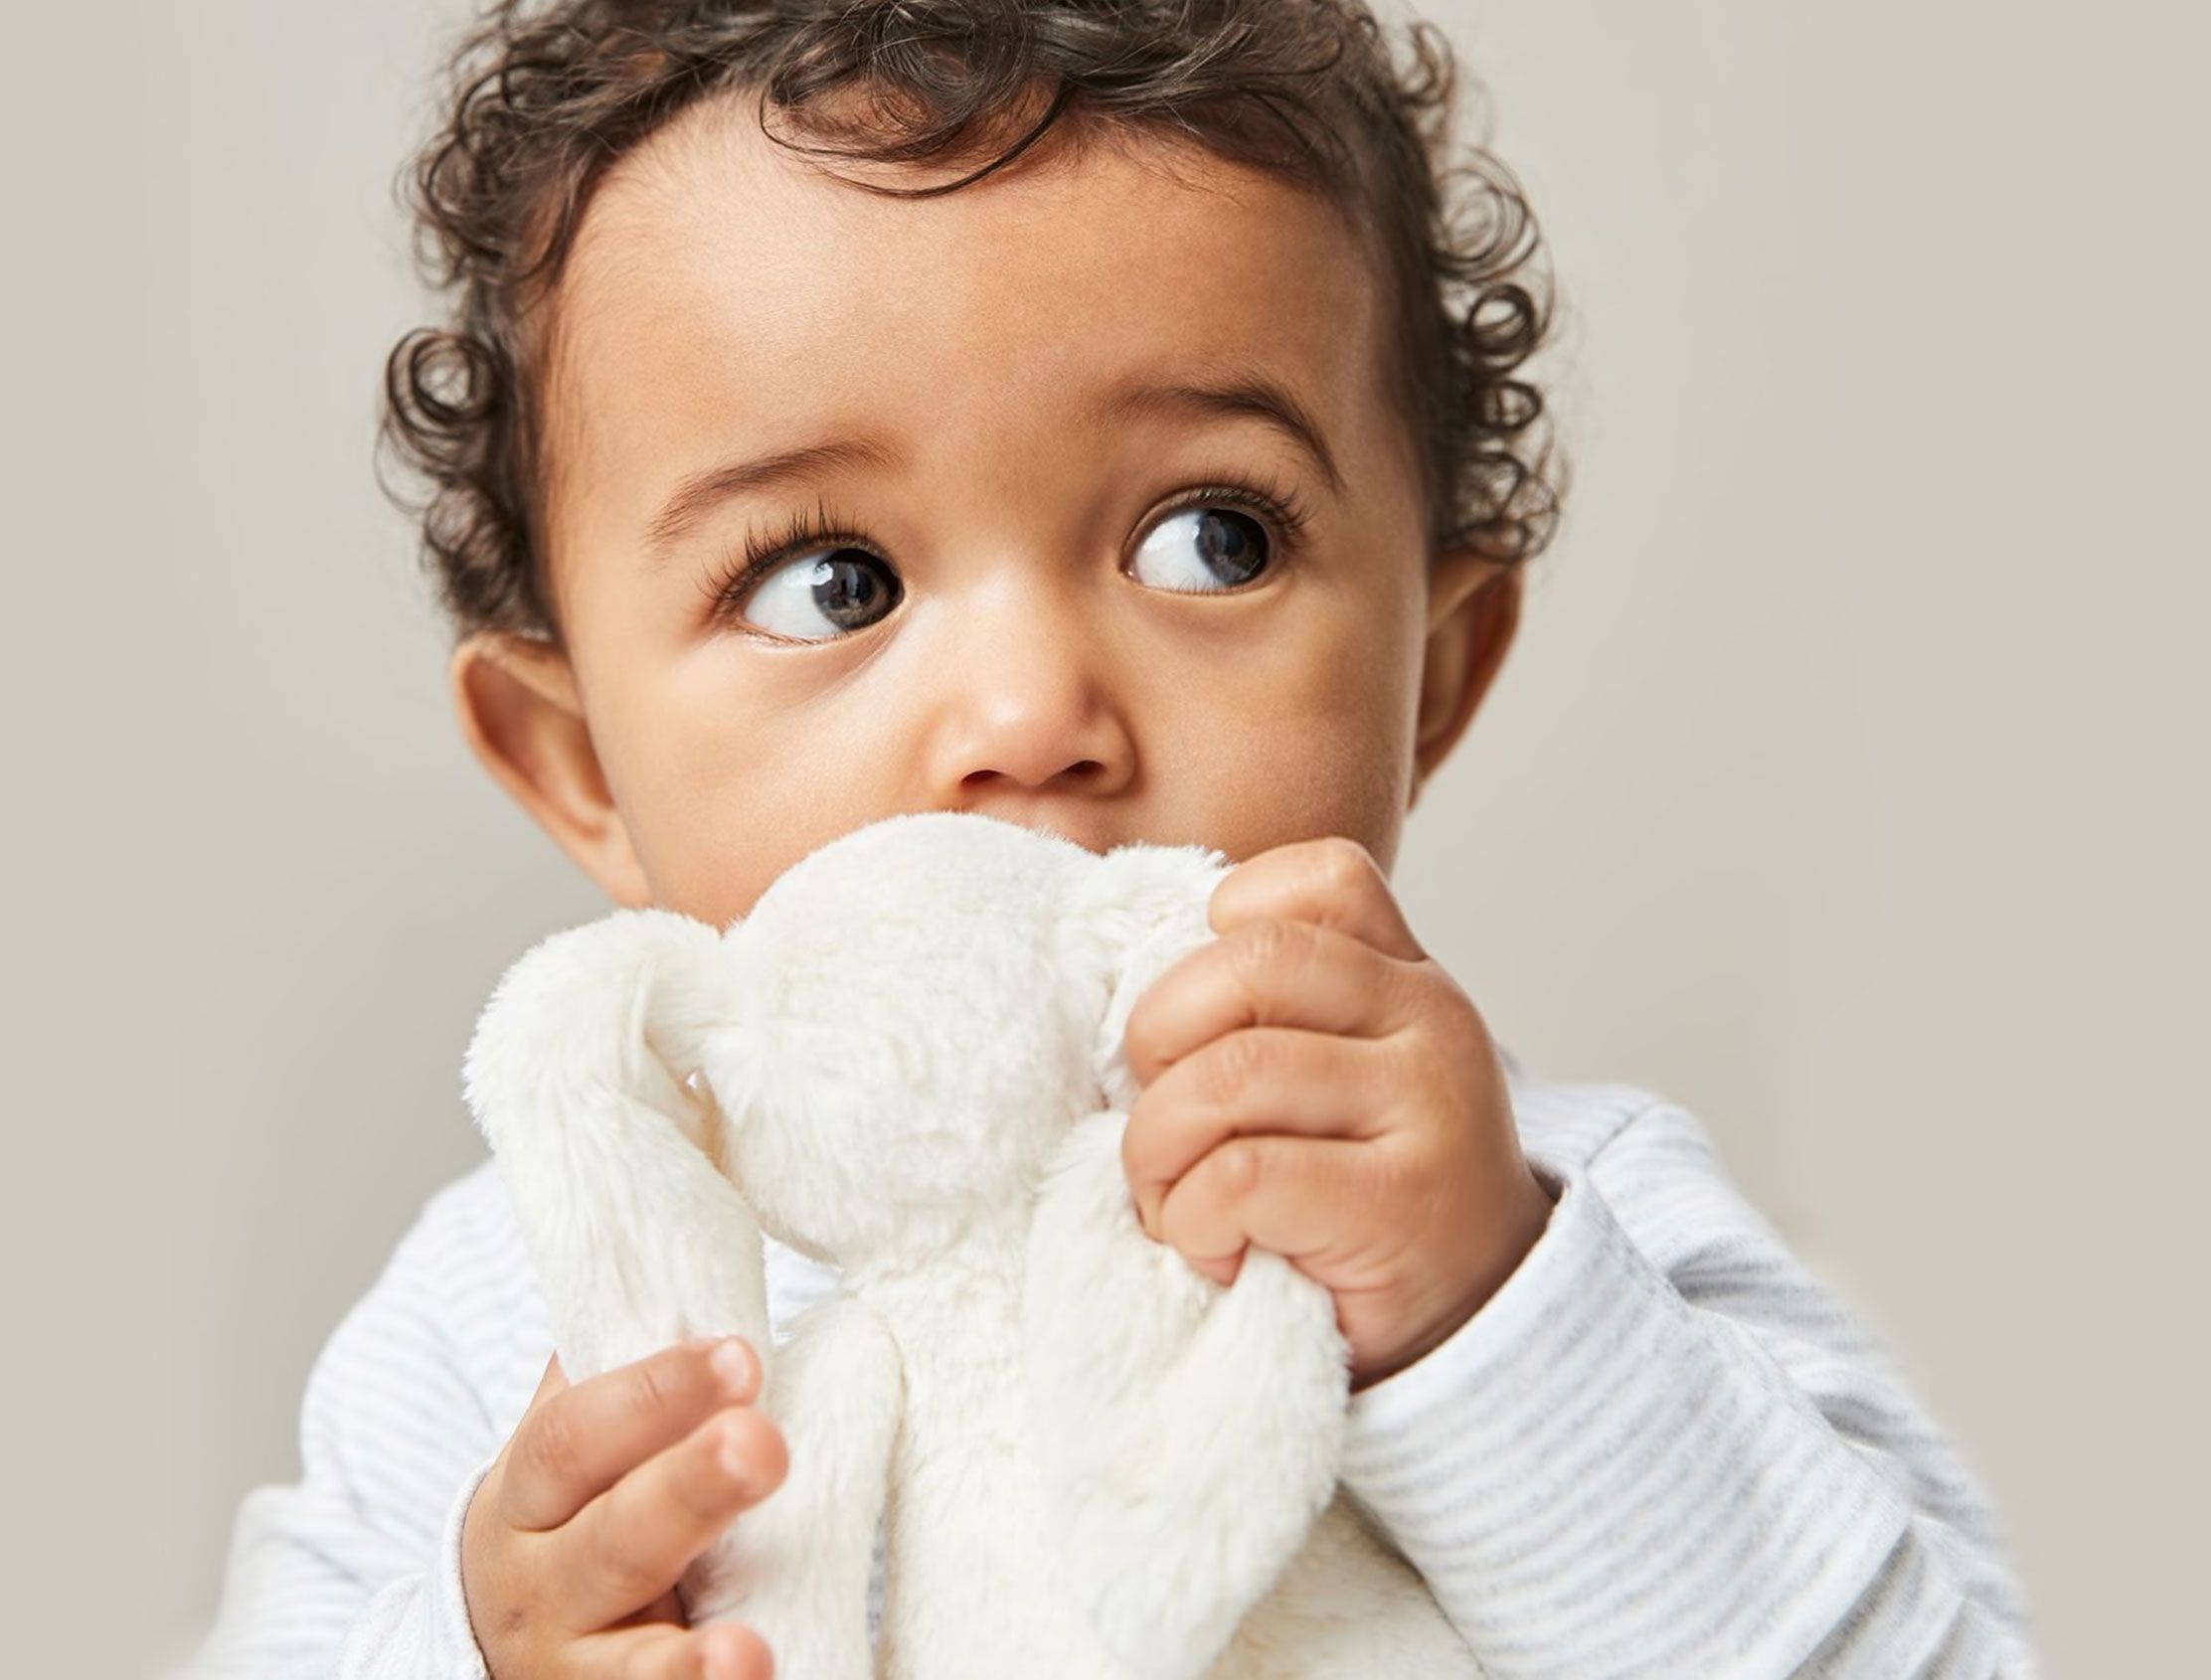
[543, 98]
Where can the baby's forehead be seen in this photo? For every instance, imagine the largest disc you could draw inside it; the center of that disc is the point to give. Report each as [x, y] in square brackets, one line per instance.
[718, 281]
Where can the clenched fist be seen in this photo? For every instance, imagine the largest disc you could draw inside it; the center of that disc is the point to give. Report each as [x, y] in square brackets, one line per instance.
[1314, 1082]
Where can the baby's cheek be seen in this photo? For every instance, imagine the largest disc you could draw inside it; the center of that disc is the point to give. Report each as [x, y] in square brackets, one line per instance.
[1333, 760]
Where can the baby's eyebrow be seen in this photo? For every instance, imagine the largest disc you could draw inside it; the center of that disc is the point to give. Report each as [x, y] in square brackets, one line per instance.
[1237, 392]
[1234, 391]
[701, 490]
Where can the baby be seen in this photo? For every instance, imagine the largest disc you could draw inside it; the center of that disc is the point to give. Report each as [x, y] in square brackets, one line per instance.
[1108, 416]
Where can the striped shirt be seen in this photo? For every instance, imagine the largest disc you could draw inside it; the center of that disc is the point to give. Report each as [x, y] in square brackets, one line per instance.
[1662, 1448]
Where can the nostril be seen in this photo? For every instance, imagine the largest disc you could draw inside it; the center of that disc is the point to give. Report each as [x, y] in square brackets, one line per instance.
[1083, 769]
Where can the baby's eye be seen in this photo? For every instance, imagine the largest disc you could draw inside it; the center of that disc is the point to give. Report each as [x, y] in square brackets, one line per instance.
[1203, 550]
[844, 588]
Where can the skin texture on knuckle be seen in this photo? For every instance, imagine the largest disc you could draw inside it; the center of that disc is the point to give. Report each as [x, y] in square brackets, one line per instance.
[1241, 1163]
[1227, 1073]
[549, 1443]
[652, 1388]
[618, 1568]
[1258, 948]
[1195, 1217]
[1343, 866]
[1415, 1176]
[1421, 1098]
[1403, 995]
[1465, 1026]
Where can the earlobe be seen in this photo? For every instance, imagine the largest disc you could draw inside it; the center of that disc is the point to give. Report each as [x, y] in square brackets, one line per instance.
[522, 715]
[1473, 610]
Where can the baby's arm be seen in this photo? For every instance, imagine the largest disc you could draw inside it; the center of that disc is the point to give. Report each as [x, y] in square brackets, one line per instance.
[357, 1569]
[1662, 1449]
[353, 1568]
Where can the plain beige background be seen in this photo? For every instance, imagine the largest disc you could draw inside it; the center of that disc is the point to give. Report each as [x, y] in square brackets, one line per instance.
[1846, 783]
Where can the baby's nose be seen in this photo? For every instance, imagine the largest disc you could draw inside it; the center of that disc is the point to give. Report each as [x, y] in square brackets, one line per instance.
[1036, 711]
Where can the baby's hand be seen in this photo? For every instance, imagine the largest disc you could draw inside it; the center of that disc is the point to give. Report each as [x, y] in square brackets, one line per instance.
[1316, 1083]
[572, 1548]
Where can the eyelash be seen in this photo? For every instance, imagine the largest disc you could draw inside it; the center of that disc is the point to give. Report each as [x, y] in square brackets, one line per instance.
[823, 527]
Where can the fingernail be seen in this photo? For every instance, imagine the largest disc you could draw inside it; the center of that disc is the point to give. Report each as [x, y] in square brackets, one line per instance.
[732, 1363]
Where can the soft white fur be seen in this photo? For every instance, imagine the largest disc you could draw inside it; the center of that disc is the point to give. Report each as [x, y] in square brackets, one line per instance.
[1089, 1460]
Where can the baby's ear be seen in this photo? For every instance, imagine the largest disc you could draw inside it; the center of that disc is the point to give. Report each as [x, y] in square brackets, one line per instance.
[1134, 913]
[577, 1076]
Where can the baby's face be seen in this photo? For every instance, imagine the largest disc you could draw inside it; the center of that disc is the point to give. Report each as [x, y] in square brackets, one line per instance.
[1052, 589]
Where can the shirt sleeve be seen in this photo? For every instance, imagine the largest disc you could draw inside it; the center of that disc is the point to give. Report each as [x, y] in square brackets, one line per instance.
[1662, 1448]
[353, 1570]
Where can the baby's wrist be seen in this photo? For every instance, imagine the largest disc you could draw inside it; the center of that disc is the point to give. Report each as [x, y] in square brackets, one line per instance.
[1520, 1230]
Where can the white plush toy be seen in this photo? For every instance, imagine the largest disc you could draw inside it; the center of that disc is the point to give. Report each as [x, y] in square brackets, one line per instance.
[1088, 1460]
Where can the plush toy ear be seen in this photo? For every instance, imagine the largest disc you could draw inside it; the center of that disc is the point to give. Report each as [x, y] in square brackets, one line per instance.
[577, 1075]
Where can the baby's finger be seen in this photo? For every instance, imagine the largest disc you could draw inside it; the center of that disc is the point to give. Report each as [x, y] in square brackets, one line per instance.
[1256, 1080]
[634, 1541]
[571, 1448]
[1332, 881]
[727, 1650]
[1265, 973]
[1305, 1198]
